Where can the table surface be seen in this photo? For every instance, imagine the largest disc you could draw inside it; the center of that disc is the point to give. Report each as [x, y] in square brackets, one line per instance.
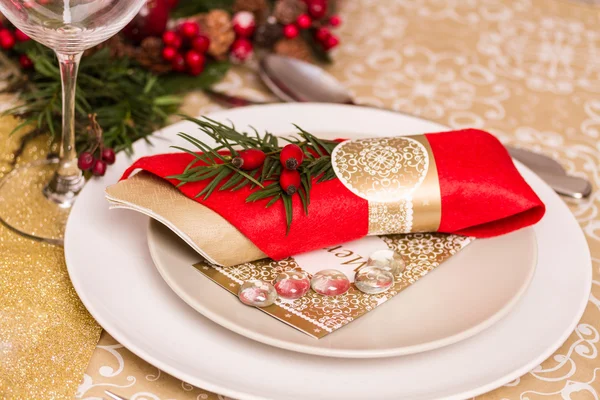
[526, 70]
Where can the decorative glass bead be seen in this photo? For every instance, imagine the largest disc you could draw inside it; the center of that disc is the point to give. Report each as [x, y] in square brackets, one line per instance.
[257, 293]
[292, 285]
[373, 280]
[388, 260]
[330, 282]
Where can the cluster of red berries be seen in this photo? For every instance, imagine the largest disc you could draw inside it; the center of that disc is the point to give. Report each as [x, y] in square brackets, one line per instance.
[324, 36]
[8, 40]
[185, 48]
[291, 157]
[244, 26]
[87, 161]
[316, 11]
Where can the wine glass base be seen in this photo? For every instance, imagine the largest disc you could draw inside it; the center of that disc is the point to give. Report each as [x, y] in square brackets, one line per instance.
[27, 209]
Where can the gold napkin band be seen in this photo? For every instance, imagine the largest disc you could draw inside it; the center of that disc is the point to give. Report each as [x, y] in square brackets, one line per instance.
[399, 179]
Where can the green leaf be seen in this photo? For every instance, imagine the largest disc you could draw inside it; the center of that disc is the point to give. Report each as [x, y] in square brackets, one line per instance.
[168, 101]
[207, 191]
[180, 83]
[265, 168]
[247, 176]
[308, 35]
[268, 191]
[273, 200]
[234, 180]
[287, 203]
[274, 169]
[304, 200]
[189, 8]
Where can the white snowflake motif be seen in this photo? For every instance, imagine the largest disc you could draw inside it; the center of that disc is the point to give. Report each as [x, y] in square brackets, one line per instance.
[550, 55]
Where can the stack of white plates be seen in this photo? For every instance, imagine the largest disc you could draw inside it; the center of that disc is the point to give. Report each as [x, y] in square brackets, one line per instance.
[485, 317]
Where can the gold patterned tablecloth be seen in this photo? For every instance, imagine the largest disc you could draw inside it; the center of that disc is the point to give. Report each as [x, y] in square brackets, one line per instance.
[526, 70]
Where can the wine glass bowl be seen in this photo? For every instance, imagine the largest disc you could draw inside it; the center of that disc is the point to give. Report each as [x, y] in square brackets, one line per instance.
[68, 27]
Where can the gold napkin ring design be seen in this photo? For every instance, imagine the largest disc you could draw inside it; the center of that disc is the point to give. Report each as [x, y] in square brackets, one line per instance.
[397, 176]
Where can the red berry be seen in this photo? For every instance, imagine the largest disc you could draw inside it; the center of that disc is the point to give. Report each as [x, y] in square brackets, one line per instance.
[99, 168]
[335, 20]
[196, 70]
[171, 39]
[243, 23]
[322, 34]
[178, 63]
[290, 181]
[331, 42]
[304, 21]
[189, 29]
[241, 50]
[7, 40]
[290, 31]
[201, 43]
[169, 53]
[249, 159]
[151, 20]
[194, 60]
[85, 161]
[317, 8]
[291, 156]
[25, 61]
[21, 36]
[108, 155]
[172, 3]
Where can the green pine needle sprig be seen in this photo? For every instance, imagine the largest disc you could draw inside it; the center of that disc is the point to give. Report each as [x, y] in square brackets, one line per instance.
[214, 163]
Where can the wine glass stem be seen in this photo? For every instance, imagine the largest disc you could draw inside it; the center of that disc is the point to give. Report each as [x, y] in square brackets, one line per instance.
[68, 180]
[69, 64]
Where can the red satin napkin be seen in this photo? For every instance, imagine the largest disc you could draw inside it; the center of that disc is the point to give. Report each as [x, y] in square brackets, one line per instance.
[482, 195]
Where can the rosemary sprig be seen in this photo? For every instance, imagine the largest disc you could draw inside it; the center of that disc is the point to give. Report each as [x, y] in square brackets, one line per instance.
[214, 163]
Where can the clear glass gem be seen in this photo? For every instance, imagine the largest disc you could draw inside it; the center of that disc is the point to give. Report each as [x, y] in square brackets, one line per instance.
[388, 260]
[330, 282]
[373, 280]
[292, 285]
[257, 293]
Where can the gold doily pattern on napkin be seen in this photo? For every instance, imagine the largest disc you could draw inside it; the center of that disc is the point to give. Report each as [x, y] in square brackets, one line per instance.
[318, 315]
[392, 174]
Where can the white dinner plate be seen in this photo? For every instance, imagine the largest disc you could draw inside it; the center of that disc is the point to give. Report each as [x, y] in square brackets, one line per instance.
[466, 294]
[111, 268]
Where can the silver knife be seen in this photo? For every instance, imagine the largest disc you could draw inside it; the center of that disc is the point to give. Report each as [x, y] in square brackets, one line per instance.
[553, 173]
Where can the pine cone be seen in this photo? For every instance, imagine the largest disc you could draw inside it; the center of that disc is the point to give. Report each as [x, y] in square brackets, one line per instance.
[295, 48]
[149, 55]
[258, 7]
[287, 11]
[118, 48]
[268, 33]
[219, 29]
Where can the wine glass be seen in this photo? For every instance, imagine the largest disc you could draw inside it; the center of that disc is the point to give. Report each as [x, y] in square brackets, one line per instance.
[35, 199]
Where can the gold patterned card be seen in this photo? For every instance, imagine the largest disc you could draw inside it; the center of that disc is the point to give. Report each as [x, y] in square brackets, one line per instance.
[318, 315]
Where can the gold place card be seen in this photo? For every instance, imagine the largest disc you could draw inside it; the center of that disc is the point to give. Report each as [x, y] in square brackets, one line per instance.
[318, 315]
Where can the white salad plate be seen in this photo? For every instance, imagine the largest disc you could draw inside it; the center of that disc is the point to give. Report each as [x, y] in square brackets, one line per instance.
[111, 268]
[466, 294]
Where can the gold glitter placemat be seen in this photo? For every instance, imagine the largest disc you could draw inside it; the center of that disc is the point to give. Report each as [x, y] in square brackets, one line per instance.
[46, 335]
